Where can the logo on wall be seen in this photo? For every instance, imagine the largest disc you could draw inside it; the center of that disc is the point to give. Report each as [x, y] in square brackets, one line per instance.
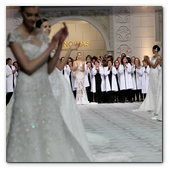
[68, 44]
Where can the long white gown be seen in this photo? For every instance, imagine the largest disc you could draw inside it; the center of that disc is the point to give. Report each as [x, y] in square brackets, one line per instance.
[81, 96]
[158, 110]
[149, 104]
[64, 110]
[38, 132]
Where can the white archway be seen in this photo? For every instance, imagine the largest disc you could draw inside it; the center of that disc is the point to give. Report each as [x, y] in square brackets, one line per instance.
[95, 24]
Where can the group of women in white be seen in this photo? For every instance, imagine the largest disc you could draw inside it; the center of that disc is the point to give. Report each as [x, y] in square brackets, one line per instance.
[111, 81]
[44, 122]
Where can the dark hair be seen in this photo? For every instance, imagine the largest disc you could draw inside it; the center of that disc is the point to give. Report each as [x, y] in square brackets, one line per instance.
[8, 60]
[123, 58]
[70, 59]
[97, 61]
[22, 7]
[104, 63]
[88, 56]
[111, 57]
[110, 61]
[105, 55]
[94, 57]
[61, 58]
[15, 62]
[39, 22]
[90, 64]
[156, 48]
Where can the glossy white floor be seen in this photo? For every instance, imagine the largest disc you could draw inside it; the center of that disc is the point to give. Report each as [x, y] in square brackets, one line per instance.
[123, 130]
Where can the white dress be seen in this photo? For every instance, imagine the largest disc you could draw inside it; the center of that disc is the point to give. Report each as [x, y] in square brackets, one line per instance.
[53, 130]
[38, 132]
[158, 110]
[149, 104]
[81, 96]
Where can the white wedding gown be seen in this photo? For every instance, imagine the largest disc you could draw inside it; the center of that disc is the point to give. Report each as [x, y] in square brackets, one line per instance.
[53, 130]
[149, 104]
[81, 96]
[158, 110]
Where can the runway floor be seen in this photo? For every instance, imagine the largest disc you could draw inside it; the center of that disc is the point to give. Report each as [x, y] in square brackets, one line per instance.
[123, 130]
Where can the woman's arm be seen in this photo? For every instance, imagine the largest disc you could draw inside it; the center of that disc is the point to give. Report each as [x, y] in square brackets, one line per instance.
[83, 67]
[28, 66]
[153, 65]
[75, 67]
[53, 61]
[60, 65]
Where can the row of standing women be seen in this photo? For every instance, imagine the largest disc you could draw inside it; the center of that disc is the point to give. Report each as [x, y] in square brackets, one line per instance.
[107, 81]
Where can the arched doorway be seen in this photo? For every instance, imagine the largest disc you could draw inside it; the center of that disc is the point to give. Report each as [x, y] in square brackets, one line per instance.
[93, 41]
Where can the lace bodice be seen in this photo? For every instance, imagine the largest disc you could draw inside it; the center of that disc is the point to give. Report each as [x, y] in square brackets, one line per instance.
[153, 60]
[32, 45]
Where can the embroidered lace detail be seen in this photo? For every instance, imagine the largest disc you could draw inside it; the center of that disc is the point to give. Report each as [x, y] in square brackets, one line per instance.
[81, 96]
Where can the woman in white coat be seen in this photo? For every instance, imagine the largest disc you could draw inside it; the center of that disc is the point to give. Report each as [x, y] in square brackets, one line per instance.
[125, 79]
[88, 74]
[111, 84]
[133, 78]
[145, 78]
[137, 70]
[11, 75]
[117, 76]
[72, 78]
[97, 86]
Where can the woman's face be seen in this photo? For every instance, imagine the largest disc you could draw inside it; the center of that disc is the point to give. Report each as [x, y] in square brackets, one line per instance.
[116, 63]
[96, 64]
[132, 60]
[46, 27]
[30, 16]
[88, 59]
[109, 63]
[79, 56]
[16, 65]
[69, 60]
[119, 59]
[124, 60]
[136, 62]
[70, 64]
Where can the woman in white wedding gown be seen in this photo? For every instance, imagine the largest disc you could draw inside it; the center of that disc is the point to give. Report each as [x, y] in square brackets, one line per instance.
[149, 104]
[79, 68]
[38, 132]
[158, 110]
[41, 123]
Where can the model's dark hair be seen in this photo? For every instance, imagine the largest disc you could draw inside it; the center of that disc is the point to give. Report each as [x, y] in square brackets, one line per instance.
[123, 58]
[22, 7]
[156, 48]
[40, 21]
